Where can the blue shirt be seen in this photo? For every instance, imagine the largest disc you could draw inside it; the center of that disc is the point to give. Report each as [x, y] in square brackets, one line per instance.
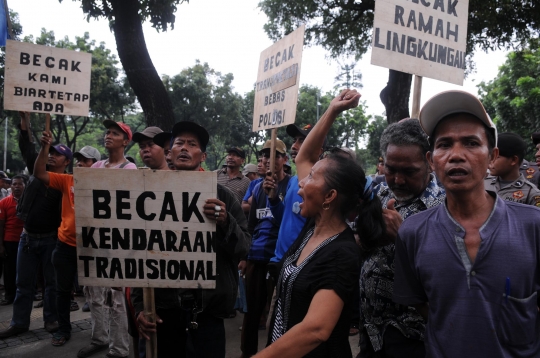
[469, 312]
[287, 212]
[262, 224]
[250, 188]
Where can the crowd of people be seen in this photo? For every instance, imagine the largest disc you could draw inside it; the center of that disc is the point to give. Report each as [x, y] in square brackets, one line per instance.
[434, 255]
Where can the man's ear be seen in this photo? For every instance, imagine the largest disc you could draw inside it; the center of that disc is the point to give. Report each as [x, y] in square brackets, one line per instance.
[515, 161]
[429, 157]
[203, 157]
[493, 155]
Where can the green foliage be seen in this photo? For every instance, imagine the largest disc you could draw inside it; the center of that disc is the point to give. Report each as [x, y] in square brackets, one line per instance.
[513, 97]
[374, 131]
[159, 12]
[205, 96]
[345, 27]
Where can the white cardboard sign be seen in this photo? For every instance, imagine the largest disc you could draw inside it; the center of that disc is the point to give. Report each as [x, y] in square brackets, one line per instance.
[278, 80]
[47, 79]
[144, 228]
[423, 37]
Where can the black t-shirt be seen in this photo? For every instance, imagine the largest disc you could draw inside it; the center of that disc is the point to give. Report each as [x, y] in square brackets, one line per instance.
[336, 267]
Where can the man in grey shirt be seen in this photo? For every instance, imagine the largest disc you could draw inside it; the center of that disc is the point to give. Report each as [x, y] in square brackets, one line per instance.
[470, 266]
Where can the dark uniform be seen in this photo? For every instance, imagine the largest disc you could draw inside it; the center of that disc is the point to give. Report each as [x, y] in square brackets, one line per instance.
[520, 191]
[531, 172]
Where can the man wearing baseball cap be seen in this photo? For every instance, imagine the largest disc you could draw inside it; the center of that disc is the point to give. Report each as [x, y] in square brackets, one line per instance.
[176, 308]
[471, 264]
[264, 228]
[231, 176]
[250, 171]
[87, 156]
[287, 212]
[530, 169]
[505, 178]
[117, 137]
[40, 209]
[152, 155]
[5, 185]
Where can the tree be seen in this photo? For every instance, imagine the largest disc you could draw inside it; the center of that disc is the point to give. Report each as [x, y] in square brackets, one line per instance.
[344, 28]
[513, 97]
[126, 17]
[348, 127]
[205, 96]
[110, 95]
[347, 78]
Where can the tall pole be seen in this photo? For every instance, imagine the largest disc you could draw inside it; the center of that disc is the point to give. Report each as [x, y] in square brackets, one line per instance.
[5, 144]
[318, 104]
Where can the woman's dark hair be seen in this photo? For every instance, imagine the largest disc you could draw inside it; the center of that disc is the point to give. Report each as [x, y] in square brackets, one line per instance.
[349, 180]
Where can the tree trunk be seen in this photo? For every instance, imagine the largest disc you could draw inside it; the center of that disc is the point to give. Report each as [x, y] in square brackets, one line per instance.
[140, 70]
[395, 96]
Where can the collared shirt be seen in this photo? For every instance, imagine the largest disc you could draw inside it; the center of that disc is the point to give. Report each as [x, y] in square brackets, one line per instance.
[377, 310]
[519, 191]
[530, 171]
[485, 308]
[238, 184]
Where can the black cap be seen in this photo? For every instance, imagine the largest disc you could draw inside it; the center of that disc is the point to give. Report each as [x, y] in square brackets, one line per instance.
[4, 176]
[238, 151]
[511, 144]
[192, 127]
[162, 138]
[147, 133]
[535, 138]
[293, 130]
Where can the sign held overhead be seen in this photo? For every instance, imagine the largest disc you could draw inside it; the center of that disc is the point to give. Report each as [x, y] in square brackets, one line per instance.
[137, 228]
[47, 79]
[423, 37]
[276, 90]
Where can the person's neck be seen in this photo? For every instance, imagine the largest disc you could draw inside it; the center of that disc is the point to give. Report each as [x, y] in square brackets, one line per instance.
[57, 170]
[163, 166]
[471, 205]
[233, 171]
[280, 175]
[328, 224]
[512, 176]
[116, 156]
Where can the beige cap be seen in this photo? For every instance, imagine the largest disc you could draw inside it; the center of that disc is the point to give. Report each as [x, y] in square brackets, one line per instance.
[450, 102]
[280, 146]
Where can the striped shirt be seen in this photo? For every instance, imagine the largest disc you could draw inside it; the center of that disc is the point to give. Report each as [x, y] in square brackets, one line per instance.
[237, 185]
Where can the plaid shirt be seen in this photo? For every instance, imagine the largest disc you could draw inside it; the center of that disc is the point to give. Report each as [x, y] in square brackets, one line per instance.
[377, 309]
[237, 185]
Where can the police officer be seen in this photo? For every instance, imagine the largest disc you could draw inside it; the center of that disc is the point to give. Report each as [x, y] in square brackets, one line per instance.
[506, 179]
[530, 169]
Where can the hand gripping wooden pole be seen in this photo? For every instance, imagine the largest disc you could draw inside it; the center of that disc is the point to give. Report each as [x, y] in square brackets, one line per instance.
[417, 93]
[150, 314]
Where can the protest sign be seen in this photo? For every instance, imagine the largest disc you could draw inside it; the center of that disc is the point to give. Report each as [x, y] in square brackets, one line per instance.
[278, 79]
[144, 228]
[46, 79]
[421, 37]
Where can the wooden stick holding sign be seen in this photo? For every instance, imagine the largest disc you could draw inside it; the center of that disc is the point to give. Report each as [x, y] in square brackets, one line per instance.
[47, 122]
[417, 94]
[150, 314]
[273, 158]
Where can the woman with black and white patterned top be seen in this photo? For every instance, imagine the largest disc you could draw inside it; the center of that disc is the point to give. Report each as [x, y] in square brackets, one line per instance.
[320, 271]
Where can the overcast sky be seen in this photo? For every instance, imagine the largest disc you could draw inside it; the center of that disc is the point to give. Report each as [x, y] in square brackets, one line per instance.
[229, 36]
